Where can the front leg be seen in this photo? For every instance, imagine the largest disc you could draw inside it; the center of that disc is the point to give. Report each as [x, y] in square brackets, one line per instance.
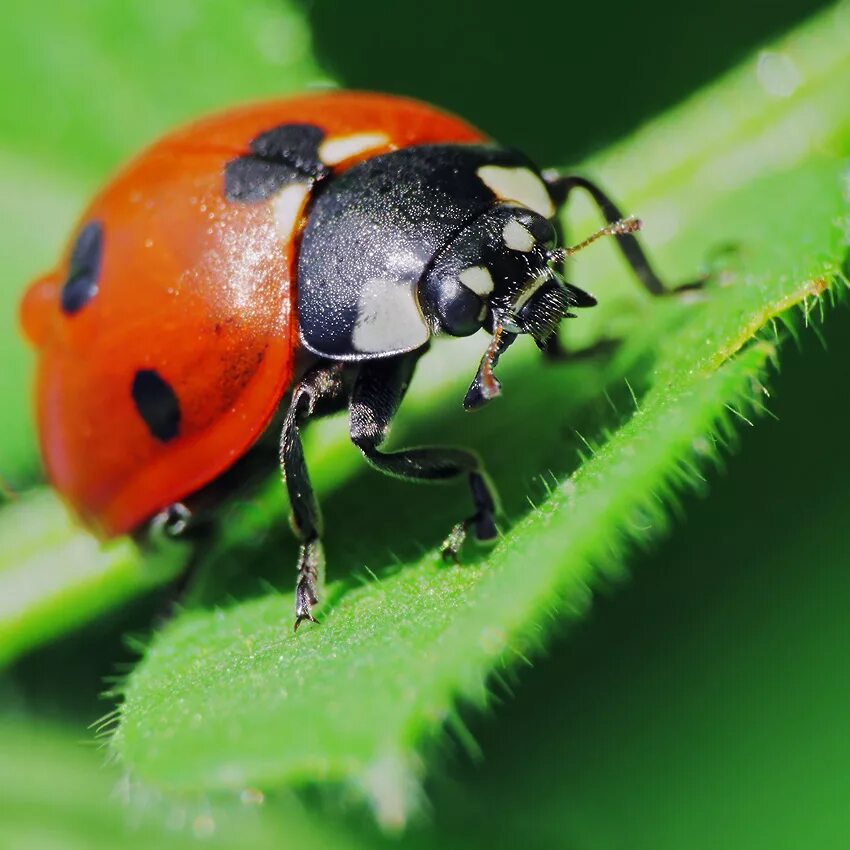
[562, 185]
[378, 390]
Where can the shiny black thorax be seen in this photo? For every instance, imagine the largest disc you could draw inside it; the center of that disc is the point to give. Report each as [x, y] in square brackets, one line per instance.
[371, 236]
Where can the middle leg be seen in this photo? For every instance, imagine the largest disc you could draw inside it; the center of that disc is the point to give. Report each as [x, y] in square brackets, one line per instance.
[378, 391]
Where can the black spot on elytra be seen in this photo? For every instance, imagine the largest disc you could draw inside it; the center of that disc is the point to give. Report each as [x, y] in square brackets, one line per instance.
[84, 269]
[286, 154]
[157, 404]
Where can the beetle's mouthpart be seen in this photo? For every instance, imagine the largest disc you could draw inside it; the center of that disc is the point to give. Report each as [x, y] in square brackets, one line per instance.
[543, 312]
[542, 305]
[621, 227]
[485, 386]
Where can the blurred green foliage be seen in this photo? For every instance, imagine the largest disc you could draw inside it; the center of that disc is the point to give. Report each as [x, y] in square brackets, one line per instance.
[703, 705]
[556, 80]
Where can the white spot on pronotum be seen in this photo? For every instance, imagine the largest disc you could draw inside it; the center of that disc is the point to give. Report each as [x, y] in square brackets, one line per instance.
[517, 237]
[520, 185]
[478, 279]
[777, 74]
[340, 148]
[388, 318]
[287, 205]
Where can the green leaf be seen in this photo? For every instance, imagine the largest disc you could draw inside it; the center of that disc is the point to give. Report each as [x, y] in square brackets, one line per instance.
[705, 706]
[230, 697]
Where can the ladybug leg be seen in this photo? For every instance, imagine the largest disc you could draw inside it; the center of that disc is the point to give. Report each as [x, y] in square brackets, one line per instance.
[318, 392]
[378, 391]
[171, 522]
[561, 186]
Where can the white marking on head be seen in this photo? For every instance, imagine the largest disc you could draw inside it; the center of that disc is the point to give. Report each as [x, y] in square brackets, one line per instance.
[517, 237]
[388, 318]
[520, 185]
[288, 205]
[337, 149]
[478, 279]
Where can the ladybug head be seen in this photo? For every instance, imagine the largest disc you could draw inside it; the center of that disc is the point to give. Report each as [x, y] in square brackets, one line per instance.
[499, 273]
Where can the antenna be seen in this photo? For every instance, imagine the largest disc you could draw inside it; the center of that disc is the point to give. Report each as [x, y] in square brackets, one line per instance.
[621, 227]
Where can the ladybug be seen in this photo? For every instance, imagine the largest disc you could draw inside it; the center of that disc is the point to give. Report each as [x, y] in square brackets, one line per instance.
[297, 256]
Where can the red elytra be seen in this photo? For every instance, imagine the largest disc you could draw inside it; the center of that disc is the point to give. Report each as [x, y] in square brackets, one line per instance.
[197, 289]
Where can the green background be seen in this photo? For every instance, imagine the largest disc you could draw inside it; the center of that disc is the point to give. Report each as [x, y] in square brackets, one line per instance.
[705, 702]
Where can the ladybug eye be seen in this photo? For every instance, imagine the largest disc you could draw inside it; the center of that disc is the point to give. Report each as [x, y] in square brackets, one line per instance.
[459, 307]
